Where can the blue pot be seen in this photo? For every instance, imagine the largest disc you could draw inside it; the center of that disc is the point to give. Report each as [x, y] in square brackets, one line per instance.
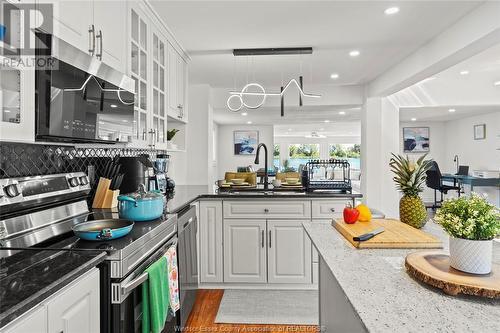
[141, 207]
[103, 230]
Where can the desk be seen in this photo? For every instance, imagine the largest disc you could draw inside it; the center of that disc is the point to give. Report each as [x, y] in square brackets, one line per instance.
[472, 181]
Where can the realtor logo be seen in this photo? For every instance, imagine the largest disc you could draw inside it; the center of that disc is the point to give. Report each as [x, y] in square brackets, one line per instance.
[18, 25]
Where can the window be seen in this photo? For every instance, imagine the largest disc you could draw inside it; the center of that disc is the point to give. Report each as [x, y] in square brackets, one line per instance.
[276, 156]
[350, 152]
[300, 154]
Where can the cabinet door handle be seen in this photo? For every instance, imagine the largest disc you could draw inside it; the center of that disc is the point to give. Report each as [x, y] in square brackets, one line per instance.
[332, 210]
[266, 210]
[99, 52]
[91, 40]
[270, 238]
[262, 238]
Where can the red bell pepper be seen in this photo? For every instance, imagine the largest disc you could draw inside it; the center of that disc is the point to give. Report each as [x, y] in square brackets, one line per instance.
[350, 214]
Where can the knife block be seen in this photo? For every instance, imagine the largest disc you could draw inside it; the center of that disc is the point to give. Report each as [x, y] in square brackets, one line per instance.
[100, 192]
[110, 199]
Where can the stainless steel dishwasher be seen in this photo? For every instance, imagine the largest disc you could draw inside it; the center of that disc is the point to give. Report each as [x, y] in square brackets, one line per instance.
[187, 228]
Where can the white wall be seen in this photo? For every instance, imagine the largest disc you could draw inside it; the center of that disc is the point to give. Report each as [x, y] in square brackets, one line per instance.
[456, 137]
[227, 161]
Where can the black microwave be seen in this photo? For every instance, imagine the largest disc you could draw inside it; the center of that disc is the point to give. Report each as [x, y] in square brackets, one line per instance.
[78, 98]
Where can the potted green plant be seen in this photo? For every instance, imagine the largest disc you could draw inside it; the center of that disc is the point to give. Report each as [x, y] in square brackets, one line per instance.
[472, 224]
[410, 177]
[171, 133]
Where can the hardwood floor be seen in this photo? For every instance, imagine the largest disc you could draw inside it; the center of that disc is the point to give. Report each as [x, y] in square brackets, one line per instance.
[205, 310]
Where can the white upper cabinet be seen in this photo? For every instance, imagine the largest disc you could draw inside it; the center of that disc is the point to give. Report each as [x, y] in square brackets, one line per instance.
[177, 80]
[72, 22]
[95, 26]
[110, 21]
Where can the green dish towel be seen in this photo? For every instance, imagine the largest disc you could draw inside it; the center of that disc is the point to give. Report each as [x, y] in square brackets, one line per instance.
[155, 297]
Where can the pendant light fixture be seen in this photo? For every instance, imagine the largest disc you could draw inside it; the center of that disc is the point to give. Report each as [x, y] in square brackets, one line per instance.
[236, 101]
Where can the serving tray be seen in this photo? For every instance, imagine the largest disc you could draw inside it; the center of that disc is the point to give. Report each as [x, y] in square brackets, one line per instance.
[433, 268]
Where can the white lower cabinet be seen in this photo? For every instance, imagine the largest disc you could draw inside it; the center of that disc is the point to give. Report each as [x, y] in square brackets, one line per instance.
[34, 321]
[74, 309]
[245, 251]
[211, 257]
[261, 241]
[289, 252]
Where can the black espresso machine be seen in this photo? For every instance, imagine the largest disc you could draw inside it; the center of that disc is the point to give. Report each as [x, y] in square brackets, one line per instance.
[141, 170]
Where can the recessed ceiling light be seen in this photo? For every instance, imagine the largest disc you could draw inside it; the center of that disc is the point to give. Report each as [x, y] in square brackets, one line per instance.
[244, 114]
[114, 106]
[391, 10]
[125, 120]
[413, 119]
[464, 72]
[354, 53]
[451, 110]
[249, 122]
[334, 76]
[322, 129]
[289, 129]
[342, 113]
[327, 121]
[497, 83]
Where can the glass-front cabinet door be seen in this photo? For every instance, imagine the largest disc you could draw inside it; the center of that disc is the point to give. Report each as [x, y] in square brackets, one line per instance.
[139, 71]
[17, 121]
[159, 90]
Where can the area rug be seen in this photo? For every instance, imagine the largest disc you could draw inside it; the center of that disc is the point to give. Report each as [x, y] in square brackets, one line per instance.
[293, 307]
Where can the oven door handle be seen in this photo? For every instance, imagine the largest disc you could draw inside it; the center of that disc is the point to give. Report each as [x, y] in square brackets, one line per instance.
[126, 288]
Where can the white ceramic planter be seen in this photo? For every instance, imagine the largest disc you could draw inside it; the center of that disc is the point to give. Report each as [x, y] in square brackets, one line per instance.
[471, 256]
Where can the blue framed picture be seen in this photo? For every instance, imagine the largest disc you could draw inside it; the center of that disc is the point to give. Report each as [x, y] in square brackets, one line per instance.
[416, 139]
[245, 142]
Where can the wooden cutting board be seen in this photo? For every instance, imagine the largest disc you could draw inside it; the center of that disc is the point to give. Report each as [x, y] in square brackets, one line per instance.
[433, 268]
[397, 235]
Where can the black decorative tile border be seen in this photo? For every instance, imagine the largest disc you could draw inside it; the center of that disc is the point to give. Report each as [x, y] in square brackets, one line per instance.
[22, 159]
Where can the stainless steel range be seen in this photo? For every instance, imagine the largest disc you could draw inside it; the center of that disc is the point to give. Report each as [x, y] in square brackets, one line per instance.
[39, 212]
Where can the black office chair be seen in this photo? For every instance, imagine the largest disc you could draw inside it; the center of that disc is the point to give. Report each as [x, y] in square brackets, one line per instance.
[434, 181]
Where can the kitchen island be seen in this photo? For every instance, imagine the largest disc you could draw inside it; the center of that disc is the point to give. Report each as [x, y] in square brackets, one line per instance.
[370, 290]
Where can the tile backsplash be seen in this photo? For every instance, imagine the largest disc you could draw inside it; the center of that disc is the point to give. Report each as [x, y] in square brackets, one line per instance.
[23, 159]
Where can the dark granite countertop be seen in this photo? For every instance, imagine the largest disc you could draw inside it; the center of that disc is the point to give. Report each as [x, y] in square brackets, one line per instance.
[186, 194]
[31, 276]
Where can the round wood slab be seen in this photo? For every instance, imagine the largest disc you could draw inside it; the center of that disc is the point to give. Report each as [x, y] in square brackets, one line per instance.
[433, 268]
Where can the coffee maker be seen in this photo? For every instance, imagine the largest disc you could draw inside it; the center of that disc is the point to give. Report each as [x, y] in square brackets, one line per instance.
[160, 181]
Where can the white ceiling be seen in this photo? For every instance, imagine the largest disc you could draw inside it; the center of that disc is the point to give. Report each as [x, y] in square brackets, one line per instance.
[209, 30]
[469, 94]
[441, 113]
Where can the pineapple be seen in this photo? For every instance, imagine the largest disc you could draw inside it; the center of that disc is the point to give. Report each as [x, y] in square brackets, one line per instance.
[409, 178]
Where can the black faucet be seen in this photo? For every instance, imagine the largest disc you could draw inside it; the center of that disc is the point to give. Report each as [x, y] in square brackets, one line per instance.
[266, 176]
[455, 159]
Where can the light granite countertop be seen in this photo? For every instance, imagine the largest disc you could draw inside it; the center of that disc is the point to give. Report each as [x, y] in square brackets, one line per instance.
[387, 299]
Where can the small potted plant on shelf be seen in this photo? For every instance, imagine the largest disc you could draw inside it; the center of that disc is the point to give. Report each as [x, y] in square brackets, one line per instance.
[472, 224]
[170, 135]
[410, 177]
